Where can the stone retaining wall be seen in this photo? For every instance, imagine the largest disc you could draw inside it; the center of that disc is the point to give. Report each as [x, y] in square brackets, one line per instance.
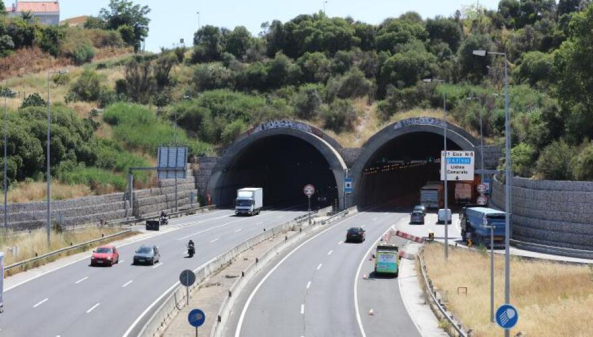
[553, 213]
[110, 207]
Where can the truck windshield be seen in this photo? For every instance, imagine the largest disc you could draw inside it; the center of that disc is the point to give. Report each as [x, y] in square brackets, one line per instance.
[241, 202]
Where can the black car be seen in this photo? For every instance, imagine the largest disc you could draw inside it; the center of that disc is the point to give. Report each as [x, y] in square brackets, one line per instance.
[147, 255]
[417, 217]
[355, 234]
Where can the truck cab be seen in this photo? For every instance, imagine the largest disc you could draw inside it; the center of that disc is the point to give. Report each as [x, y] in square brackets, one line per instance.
[477, 222]
[249, 201]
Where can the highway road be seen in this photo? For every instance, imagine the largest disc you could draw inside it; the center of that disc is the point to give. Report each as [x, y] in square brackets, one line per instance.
[79, 300]
[311, 290]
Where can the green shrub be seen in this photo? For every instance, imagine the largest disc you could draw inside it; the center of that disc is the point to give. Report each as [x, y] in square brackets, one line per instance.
[91, 176]
[33, 100]
[61, 79]
[523, 160]
[87, 87]
[212, 76]
[583, 164]
[232, 131]
[307, 102]
[554, 162]
[83, 54]
[339, 116]
[351, 85]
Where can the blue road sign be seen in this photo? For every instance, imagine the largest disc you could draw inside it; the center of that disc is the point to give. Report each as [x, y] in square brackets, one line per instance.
[488, 183]
[196, 318]
[348, 185]
[507, 316]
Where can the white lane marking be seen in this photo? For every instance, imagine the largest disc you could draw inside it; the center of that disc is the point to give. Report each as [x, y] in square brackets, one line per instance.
[238, 230]
[216, 227]
[319, 266]
[40, 303]
[122, 261]
[252, 295]
[128, 283]
[158, 265]
[302, 309]
[406, 305]
[214, 240]
[339, 243]
[308, 284]
[330, 252]
[364, 257]
[139, 239]
[93, 308]
[81, 280]
[129, 331]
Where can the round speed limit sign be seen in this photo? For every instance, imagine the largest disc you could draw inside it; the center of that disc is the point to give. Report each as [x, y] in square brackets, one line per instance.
[309, 190]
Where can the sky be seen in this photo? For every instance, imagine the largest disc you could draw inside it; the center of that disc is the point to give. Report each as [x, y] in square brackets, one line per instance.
[172, 20]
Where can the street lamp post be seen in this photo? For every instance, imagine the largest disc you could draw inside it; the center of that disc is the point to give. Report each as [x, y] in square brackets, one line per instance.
[481, 138]
[429, 80]
[48, 148]
[6, 92]
[508, 174]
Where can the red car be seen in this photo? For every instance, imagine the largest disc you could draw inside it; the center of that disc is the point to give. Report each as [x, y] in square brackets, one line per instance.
[105, 256]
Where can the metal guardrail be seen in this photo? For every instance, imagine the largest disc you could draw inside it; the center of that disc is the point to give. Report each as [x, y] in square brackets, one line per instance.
[553, 250]
[64, 250]
[455, 324]
[170, 215]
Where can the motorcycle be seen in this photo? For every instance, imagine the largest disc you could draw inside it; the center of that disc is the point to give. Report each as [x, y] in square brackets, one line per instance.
[164, 221]
[191, 250]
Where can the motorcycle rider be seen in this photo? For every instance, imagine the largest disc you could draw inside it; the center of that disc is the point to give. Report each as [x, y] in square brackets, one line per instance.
[164, 218]
[190, 247]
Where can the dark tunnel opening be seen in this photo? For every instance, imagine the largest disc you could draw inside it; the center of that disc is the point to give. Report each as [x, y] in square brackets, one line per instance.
[398, 170]
[281, 165]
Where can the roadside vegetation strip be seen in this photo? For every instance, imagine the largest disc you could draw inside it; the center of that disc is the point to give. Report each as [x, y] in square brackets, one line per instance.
[548, 295]
[32, 251]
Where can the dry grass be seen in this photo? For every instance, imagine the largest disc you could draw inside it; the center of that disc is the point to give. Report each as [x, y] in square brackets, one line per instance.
[553, 299]
[35, 243]
[36, 191]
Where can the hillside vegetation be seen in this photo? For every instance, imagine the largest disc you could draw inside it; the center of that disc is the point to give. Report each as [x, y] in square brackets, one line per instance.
[345, 76]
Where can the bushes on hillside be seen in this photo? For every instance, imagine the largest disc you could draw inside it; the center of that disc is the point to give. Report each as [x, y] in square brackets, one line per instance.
[33, 100]
[554, 163]
[353, 84]
[86, 88]
[339, 116]
[307, 102]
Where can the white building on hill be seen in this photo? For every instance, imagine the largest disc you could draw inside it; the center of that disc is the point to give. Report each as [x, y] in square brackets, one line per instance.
[47, 12]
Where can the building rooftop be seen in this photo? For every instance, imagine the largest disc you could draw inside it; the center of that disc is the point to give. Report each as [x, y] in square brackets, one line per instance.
[36, 6]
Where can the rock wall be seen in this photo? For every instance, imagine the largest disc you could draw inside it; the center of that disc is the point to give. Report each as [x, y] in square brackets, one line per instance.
[552, 213]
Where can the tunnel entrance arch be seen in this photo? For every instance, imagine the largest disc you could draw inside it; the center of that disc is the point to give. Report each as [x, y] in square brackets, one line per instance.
[282, 157]
[397, 159]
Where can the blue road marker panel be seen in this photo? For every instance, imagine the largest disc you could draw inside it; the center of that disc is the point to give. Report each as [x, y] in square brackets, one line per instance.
[507, 316]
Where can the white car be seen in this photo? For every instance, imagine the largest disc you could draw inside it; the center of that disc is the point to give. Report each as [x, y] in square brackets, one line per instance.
[441, 216]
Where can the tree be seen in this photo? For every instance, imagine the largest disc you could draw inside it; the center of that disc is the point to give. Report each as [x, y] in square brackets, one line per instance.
[535, 67]
[93, 22]
[446, 30]
[211, 40]
[472, 67]
[140, 83]
[315, 67]
[353, 84]
[87, 87]
[405, 69]
[583, 163]
[162, 68]
[398, 32]
[555, 160]
[237, 41]
[307, 102]
[278, 70]
[339, 116]
[131, 20]
[33, 100]
[573, 64]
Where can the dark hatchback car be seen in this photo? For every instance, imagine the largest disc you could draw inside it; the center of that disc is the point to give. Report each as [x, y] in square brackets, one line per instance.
[417, 217]
[355, 234]
[147, 255]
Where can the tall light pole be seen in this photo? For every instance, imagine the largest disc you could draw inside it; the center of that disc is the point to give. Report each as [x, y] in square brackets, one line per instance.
[429, 80]
[48, 148]
[324, 2]
[199, 26]
[508, 175]
[6, 92]
[481, 138]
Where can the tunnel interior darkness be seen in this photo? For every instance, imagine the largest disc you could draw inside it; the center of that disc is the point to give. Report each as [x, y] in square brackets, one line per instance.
[397, 171]
[282, 165]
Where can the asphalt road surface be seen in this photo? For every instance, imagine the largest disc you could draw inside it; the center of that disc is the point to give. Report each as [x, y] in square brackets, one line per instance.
[311, 290]
[79, 300]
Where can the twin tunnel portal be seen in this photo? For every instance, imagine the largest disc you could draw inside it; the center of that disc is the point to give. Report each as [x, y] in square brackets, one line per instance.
[283, 156]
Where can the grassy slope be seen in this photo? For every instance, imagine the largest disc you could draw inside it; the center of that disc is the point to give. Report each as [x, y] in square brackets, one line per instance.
[549, 296]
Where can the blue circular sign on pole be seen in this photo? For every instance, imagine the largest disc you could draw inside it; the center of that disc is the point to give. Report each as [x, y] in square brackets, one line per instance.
[196, 318]
[507, 316]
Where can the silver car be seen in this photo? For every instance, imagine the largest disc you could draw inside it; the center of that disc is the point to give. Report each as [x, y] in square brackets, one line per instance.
[417, 217]
[147, 255]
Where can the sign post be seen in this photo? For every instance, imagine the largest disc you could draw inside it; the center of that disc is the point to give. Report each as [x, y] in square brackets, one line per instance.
[187, 279]
[309, 190]
[196, 318]
[1, 282]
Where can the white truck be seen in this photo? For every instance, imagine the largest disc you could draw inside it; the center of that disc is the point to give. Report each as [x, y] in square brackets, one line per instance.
[249, 201]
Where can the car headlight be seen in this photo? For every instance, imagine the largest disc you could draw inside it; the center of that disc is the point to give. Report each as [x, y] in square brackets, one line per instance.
[109, 258]
[92, 257]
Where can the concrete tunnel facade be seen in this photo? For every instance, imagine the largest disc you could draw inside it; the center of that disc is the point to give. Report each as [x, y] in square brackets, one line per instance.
[281, 150]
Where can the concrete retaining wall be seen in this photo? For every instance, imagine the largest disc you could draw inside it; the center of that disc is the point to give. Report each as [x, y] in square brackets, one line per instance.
[552, 213]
